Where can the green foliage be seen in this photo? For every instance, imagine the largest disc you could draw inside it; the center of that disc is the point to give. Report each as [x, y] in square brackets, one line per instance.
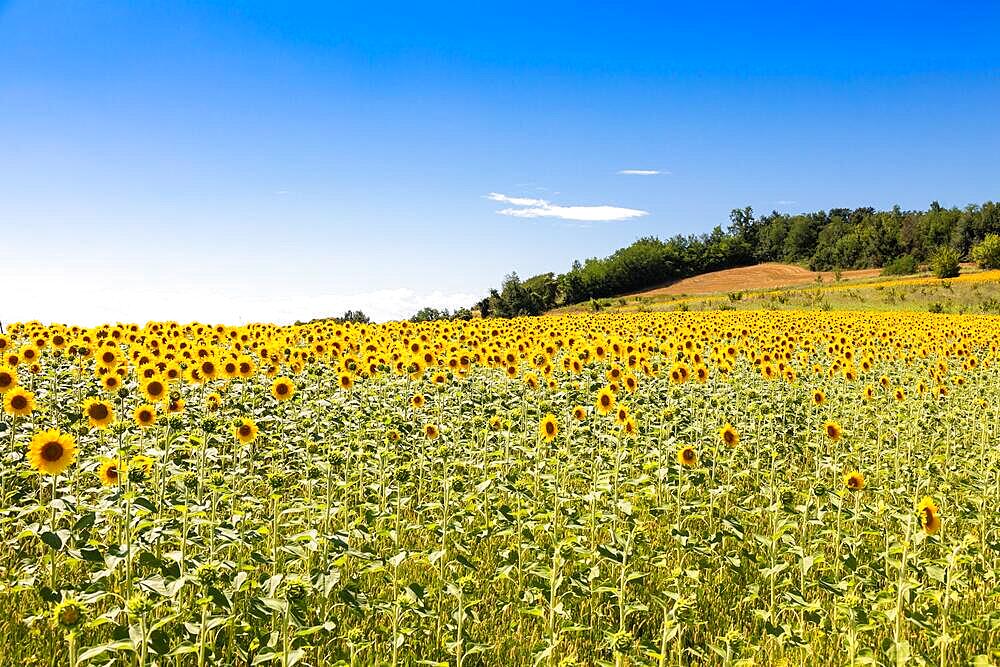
[987, 253]
[903, 265]
[945, 262]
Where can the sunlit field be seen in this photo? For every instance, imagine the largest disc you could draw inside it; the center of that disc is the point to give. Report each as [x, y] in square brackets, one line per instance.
[625, 489]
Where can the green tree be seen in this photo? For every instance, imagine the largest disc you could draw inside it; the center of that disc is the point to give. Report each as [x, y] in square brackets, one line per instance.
[987, 253]
[945, 262]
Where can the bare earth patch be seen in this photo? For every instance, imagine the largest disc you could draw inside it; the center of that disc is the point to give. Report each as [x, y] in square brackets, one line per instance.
[761, 276]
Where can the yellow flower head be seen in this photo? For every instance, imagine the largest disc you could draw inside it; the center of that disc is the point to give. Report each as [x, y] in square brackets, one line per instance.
[832, 430]
[110, 472]
[141, 466]
[729, 435]
[98, 413]
[928, 513]
[8, 378]
[687, 457]
[51, 452]
[548, 428]
[245, 430]
[19, 402]
[282, 388]
[605, 402]
[854, 481]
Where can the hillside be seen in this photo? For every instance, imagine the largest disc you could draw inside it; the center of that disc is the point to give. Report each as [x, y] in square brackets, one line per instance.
[761, 276]
[783, 287]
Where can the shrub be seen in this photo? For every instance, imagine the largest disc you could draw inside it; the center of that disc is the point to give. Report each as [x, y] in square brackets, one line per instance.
[987, 253]
[901, 266]
[944, 263]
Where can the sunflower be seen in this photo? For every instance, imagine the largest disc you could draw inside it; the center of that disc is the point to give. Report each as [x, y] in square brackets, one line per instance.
[19, 402]
[418, 401]
[111, 382]
[51, 452]
[729, 435]
[282, 388]
[140, 467]
[605, 402]
[930, 519]
[245, 430]
[679, 373]
[819, 398]
[208, 369]
[346, 381]
[496, 423]
[687, 457]
[630, 428]
[431, 431]
[8, 379]
[69, 613]
[832, 430]
[899, 394]
[579, 413]
[621, 415]
[109, 472]
[548, 428]
[854, 480]
[98, 413]
[108, 357]
[145, 415]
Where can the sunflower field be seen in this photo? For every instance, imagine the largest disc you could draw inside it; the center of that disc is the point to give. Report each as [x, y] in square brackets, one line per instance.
[717, 488]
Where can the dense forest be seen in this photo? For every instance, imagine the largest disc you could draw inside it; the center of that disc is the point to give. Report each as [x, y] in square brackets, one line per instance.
[826, 240]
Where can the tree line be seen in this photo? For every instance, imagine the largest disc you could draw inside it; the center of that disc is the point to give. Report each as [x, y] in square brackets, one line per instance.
[840, 238]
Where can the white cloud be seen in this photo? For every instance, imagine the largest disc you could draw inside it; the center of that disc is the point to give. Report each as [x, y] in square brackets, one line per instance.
[785, 202]
[540, 208]
[516, 201]
[642, 172]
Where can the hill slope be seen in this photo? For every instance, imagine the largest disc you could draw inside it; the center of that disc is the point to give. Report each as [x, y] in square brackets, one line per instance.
[761, 276]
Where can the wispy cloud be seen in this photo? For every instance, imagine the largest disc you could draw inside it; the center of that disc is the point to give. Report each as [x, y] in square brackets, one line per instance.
[642, 172]
[540, 208]
[785, 202]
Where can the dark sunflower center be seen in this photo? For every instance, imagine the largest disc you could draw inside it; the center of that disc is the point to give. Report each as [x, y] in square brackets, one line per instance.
[6, 379]
[52, 451]
[19, 402]
[98, 411]
[282, 389]
[154, 388]
[550, 428]
[245, 431]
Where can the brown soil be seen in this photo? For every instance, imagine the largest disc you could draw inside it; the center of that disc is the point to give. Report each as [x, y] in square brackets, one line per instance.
[762, 276]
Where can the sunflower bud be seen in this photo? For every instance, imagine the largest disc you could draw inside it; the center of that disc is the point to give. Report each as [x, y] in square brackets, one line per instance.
[69, 613]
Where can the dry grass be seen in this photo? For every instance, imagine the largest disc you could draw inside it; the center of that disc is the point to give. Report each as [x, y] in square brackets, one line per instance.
[761, 276]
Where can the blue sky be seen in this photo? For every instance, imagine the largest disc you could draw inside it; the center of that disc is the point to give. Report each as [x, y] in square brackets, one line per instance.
[290, 160]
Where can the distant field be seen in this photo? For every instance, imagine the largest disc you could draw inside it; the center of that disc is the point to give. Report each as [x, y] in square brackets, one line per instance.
[761, 276]
[784, 287]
